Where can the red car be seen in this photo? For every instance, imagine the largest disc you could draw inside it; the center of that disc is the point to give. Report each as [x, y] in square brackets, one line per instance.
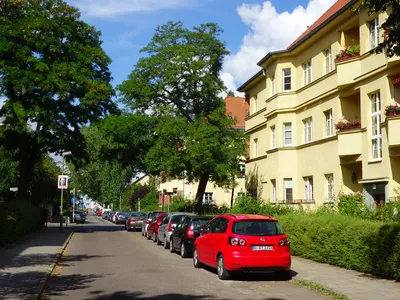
[100, 213]
[152, 229]
[233, 243]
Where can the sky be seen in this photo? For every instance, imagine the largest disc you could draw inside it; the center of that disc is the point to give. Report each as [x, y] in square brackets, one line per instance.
[252, 28]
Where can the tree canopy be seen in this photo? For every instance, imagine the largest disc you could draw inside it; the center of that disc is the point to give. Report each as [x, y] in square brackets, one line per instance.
[55, 77]
[178, 82]
[391, 26]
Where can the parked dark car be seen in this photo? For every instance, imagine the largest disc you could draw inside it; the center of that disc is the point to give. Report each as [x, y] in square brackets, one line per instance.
[186, 231]
[152, 229]
[146, 222]
[121, 217]
[80, 216]
[135, 220]
[167, 226]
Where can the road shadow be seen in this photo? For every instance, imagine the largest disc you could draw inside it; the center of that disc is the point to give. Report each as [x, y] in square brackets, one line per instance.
[125, 295]
[57, 285]
[254, 276]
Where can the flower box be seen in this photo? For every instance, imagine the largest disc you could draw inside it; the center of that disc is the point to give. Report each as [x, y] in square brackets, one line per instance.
[351, 128]
[348, 52]
[392, 110]
[348, 124]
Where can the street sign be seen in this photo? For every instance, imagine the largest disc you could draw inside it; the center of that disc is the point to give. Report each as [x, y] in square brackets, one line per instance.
[73, 200]
[63, 182]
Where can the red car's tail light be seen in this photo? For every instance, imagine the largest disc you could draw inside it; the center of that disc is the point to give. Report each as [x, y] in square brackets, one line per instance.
[190, 233]
[131, 221]
[236, 241]
[170, 227]
[284, 242]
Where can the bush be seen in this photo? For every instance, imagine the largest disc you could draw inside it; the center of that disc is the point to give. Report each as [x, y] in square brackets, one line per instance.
[246, 205]
[18, 219]
[345, 241]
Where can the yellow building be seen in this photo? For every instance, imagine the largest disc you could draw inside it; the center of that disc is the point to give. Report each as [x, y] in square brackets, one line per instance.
[301, 93]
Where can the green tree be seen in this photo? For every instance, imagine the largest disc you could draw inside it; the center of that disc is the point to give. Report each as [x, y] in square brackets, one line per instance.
[55, 77]
[231, 94]
[391, 26]
[178, 81]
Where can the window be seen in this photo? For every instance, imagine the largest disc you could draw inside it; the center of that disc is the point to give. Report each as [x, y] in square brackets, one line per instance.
[373, 33]
[376, 135]
[212, 226]
[287, 128]
[308, 188]
[273, 183]
[287, 80]
[307, 72]
[307, 130]
[222, 225]
[255, 150]
[242, 169]
[257, 228]
[328, 60]
[241, 194]
[328, 123]
[272, 86]
[208, 198]
[329, 188]
[288, 189]
[273, 137]
[255, 104]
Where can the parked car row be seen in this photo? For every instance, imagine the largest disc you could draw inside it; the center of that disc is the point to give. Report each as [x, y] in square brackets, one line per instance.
[228, 242]
[116, 217]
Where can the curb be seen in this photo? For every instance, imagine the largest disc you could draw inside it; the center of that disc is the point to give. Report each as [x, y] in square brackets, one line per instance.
[37, 293]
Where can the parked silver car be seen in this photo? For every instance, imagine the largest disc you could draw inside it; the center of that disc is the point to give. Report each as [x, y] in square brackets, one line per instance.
[168, 224]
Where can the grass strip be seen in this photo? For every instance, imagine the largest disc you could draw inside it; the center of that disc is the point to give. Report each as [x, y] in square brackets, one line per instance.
[319, 288]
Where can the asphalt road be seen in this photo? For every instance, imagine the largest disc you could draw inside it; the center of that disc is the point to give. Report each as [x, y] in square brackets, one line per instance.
[103, 261]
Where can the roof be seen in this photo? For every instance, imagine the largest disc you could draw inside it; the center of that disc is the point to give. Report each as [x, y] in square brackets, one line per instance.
[335, 10]
[250, 80]
[331, 12]
[237, 107]
[251, 217]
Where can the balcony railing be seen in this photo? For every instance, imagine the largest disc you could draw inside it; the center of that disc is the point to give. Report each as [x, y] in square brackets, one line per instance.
[297, 201]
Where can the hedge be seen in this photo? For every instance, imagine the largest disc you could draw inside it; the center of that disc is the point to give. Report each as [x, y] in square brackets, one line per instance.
[345, 241]
[18, 219]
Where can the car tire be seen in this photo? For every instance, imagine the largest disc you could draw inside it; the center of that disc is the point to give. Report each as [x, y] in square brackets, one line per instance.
[142, 233]
[166, 244]
[222, 272]
[184, 252]
[171, 246]
[283, 275]
[196, 260]
[158, 241]
[154, 238]
[148, 236]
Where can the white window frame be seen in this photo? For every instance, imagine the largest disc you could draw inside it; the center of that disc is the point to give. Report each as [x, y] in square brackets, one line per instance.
[273, 182]
[287, 184]
[273, 85]
[208, 198]
[255, 104]
[307, 130]
[373, 33]
[328, 60]
[285, 130]
[308, 188]
[328, 123]
[307, 72]
[255, 150]
[273, 137]
[329, 188]
[376, 138]
[287, 76]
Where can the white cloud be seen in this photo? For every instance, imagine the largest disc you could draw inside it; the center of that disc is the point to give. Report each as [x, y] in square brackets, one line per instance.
[111, 8]
[269, 31]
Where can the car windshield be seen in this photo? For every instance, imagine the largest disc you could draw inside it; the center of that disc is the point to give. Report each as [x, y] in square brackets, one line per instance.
[80, 212]
[125, 214]
[138, 214]
[257, 227]
[199, 222]
[175, 219]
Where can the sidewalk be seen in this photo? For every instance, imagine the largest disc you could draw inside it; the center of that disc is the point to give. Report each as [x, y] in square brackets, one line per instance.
[25, 266]
[354, 285]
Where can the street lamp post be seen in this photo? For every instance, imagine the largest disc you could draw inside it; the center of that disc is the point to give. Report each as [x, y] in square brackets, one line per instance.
[62, 190]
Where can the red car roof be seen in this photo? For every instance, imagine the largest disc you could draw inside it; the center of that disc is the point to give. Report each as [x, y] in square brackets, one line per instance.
[249, 217]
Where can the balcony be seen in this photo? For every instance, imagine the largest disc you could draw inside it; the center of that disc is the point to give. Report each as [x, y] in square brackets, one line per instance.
[350, 141]
[393, 131]
[348, 68]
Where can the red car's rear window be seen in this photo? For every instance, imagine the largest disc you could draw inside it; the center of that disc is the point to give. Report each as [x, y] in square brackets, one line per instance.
[257, 227]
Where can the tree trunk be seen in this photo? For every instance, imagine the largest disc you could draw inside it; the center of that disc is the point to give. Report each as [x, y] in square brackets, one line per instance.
[23, 167]
[200, 192]
[233, 191]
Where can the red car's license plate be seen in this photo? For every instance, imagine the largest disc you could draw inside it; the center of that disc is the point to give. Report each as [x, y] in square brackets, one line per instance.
[262, 248]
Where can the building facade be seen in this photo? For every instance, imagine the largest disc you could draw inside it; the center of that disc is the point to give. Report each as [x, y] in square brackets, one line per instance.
[317, 122]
